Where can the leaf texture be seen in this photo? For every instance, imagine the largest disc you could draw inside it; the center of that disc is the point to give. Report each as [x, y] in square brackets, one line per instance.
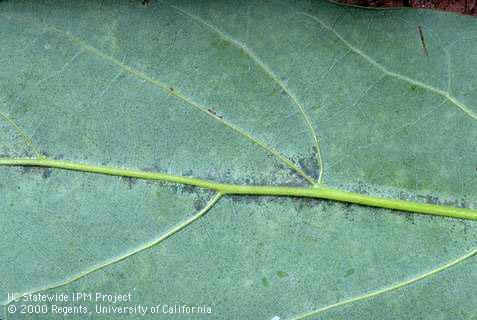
[253, 93]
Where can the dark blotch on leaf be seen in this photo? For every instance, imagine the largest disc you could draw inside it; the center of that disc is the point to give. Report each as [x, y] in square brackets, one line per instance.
[301, 203]
[199, 203]
[256, 200]
[130, 181]
[432, 199]
[349, 213]
[188, 188]
[349, 272]
[220, 44]
[265, 282]
[410, 217]
[44, 172]
[310, 164]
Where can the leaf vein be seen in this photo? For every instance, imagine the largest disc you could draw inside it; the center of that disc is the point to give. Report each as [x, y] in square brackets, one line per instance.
[472, 114]
[258, 61]
[113, 261]
[390, 288]
[180, 96]
[26, 138]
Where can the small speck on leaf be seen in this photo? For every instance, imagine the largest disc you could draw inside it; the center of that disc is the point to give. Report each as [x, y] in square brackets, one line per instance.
[282, 274]
[265, 282]
[349, 272]
[214, 113]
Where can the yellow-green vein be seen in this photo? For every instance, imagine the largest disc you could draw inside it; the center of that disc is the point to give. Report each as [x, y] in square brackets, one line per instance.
[73, 278]
[176, 93]
[318, 191]
[390, 288]
[252, 55]
[396, 75]
[24, 136]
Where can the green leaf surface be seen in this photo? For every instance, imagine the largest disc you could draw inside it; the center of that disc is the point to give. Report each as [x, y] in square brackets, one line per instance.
[252, 93]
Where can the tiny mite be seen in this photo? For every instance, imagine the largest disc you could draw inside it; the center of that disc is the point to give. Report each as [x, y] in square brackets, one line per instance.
[214, 113]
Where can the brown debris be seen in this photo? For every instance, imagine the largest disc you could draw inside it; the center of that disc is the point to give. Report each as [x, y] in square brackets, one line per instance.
[467, 7]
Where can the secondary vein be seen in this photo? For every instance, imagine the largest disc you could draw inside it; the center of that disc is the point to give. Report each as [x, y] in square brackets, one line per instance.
[472, 114]
[73, 278]
[390, 288]
[258, 61]
[177, 94]
[28, 140]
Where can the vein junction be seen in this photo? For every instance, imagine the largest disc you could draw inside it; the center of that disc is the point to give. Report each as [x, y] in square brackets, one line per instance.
[470, 113]
[319, 191]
